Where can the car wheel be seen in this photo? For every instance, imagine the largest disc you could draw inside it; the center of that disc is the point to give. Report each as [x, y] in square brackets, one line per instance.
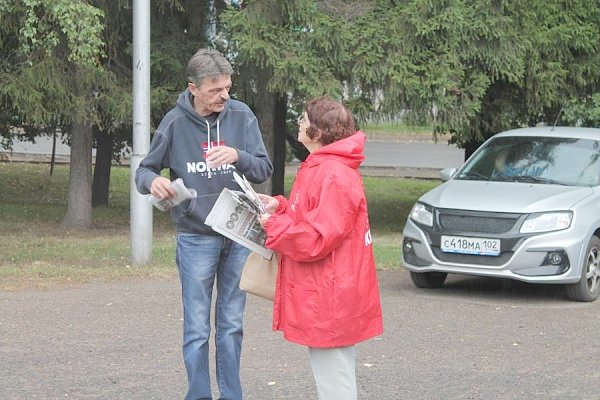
[588, 288]
[428, 280]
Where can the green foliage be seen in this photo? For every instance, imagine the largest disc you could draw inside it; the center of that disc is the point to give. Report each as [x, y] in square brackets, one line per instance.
[65, 60]
[468, 68]
[584, 112]
[50, 50]
[42, 26]
[305, 52]
[465, 68]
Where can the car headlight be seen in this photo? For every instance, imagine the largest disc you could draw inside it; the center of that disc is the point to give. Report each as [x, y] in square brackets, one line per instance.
[547, 222]
[422, 214]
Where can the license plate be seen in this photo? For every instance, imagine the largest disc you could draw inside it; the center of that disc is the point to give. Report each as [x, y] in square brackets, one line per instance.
[470, 245]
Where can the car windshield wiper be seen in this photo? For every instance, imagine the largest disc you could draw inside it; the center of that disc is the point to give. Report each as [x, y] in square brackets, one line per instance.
[470, 175]
[536, 179]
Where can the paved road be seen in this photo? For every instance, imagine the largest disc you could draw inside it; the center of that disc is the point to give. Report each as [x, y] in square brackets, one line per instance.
[412, 152]
[409, 156]
[476, 339]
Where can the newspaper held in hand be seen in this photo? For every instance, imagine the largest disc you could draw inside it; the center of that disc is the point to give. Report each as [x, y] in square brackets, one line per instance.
[249, 191]
[235, 215]
[182, 193]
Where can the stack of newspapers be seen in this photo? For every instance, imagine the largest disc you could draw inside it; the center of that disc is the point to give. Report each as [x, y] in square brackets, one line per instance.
[235, 215]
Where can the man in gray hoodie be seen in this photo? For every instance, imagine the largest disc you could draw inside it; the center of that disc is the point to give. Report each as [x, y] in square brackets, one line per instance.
[203, 140]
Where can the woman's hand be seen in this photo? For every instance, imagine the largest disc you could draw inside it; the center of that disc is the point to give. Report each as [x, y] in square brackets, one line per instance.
[262, 218]
[270, 203]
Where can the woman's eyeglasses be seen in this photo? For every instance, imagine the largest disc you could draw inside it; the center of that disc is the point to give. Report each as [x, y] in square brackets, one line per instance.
[301, 119]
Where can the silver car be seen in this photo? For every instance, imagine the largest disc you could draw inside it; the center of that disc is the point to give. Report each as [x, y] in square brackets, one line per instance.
[524, 206]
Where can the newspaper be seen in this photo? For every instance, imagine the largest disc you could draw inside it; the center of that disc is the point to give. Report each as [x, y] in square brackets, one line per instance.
[235, 215]
[181, 193]
[250, 193]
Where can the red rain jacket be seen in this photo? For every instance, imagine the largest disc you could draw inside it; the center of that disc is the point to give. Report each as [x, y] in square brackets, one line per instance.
[327, 293]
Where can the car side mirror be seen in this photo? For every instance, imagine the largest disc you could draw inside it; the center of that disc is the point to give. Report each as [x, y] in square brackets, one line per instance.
[447, 173]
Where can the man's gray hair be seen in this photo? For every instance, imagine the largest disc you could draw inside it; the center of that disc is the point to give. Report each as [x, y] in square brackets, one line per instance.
[207, 63]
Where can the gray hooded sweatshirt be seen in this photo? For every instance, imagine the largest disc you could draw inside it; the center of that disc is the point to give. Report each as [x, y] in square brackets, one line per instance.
[180, 144]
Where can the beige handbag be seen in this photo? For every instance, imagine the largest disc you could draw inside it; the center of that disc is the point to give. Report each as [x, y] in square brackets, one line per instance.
[259, 275]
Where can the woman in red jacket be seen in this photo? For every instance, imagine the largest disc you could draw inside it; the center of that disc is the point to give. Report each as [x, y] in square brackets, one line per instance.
[327, 295]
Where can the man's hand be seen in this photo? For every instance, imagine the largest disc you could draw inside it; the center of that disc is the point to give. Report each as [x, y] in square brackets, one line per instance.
[161, 188]
[220, 155]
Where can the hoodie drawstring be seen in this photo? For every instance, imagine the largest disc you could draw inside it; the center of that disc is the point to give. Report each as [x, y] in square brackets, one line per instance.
[210, 143]
[209, 146]
[218, 133]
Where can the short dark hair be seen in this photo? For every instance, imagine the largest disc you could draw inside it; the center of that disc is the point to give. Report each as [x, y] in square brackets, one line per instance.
[331, 118]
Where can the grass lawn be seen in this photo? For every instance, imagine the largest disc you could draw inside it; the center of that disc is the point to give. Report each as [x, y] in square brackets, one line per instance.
[36, 253]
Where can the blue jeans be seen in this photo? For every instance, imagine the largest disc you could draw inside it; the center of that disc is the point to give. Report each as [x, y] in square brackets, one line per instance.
[201, 258]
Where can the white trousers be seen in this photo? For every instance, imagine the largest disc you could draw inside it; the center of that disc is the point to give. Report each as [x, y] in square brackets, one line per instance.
[334, 370]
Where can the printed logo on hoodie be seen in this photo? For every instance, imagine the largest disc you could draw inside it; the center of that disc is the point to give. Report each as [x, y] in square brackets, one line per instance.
[213, 143]
[200, 167]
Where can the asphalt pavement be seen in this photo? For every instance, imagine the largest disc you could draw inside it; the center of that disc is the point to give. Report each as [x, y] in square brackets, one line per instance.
[477, 338]
[409, 156]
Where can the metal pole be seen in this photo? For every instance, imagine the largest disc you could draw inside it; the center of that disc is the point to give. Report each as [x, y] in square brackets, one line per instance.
[140, 208]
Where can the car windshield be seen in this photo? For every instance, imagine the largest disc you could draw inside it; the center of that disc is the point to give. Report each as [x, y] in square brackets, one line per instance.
[532, 159]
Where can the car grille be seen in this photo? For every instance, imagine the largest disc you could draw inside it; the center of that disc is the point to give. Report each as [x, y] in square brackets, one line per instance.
[476, 223]
[503, 226]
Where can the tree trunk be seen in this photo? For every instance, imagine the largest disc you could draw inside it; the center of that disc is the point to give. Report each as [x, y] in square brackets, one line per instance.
[279, 145]
[101, 180]
[470, 148]
[264, 110]
[79, 207]
[53, 156]
[271, 113]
